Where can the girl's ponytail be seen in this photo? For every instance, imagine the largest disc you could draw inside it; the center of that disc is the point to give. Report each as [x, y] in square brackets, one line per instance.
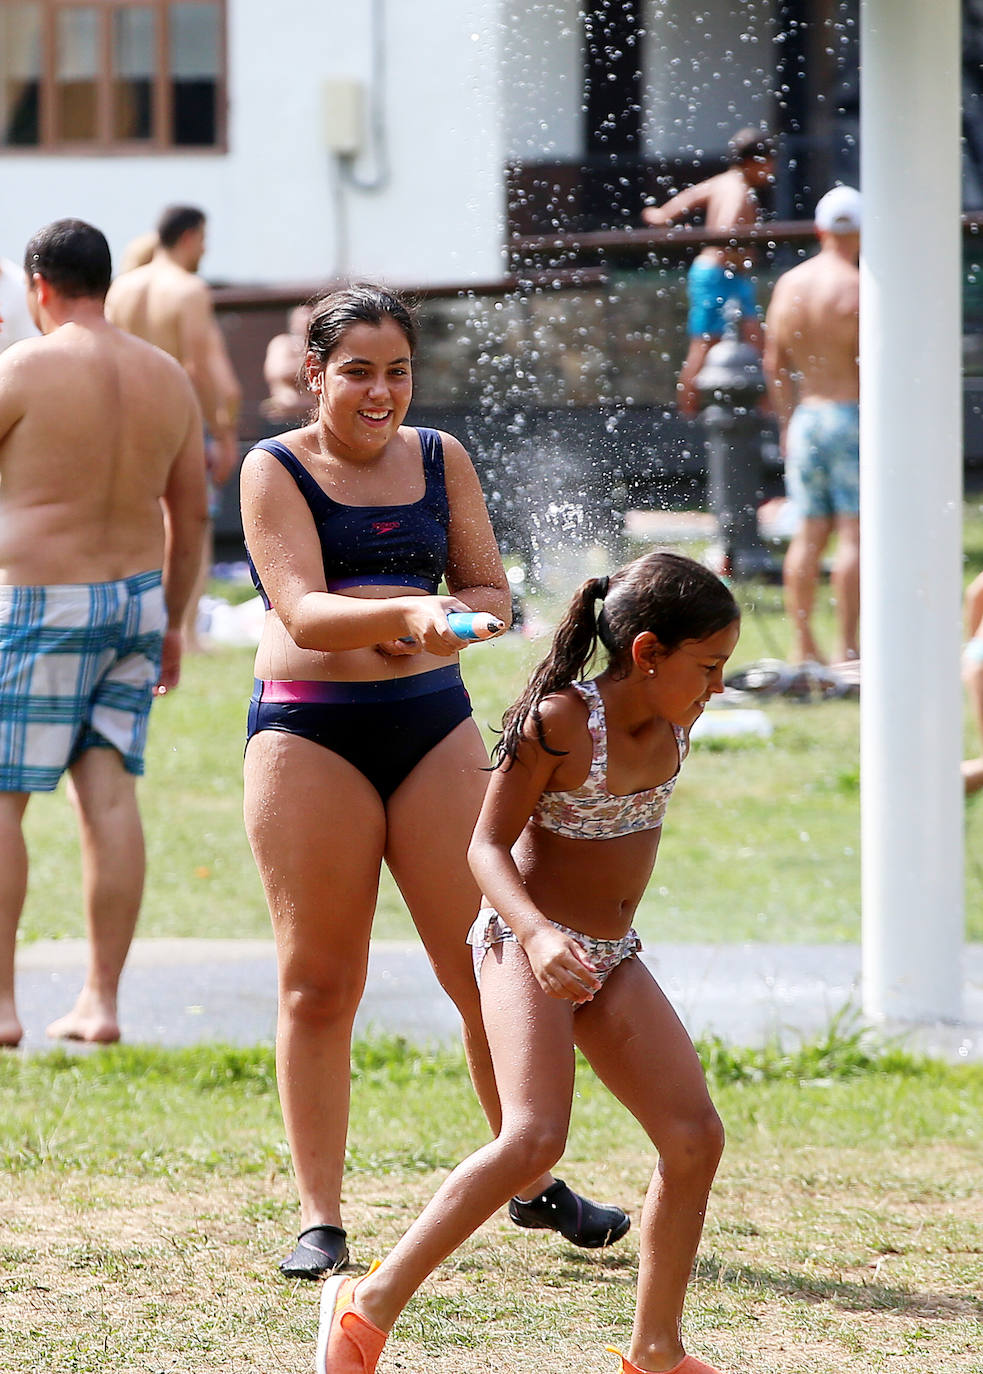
[572, 650]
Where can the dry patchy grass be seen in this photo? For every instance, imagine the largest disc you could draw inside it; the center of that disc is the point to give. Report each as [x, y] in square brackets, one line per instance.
[829, 1259]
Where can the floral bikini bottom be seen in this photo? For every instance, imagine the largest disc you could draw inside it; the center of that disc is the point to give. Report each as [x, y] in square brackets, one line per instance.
[489, 929]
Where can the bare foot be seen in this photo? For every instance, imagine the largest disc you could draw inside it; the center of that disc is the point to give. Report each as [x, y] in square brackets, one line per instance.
[88, 1021]
[11, 1033]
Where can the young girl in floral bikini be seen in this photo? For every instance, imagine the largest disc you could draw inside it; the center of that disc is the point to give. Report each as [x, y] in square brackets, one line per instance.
[563, 850]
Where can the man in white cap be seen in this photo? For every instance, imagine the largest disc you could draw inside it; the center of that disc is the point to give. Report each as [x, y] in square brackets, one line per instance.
[811, 359]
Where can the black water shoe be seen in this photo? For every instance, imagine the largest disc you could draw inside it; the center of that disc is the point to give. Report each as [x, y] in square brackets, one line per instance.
[319, 1250]
[580, 1221]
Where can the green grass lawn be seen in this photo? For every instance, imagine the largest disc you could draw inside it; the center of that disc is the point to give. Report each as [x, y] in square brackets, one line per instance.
[146, 1195]
[762, 840]
[145, 1198]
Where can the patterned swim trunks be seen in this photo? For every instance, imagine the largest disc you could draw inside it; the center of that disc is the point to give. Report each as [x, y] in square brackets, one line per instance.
[78, 665]
[489, 929]
[822, 460]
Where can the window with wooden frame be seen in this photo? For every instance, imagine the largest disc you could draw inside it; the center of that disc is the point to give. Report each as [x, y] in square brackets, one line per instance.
[118, 76]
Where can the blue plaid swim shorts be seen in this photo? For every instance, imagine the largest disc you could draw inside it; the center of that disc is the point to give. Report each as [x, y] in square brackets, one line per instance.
[78, 666]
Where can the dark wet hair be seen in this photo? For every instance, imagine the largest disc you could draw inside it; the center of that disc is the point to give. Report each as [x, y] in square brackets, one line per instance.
[175, 222]
[73, 256]
[334, 314]
[751, 145]
[668, 594]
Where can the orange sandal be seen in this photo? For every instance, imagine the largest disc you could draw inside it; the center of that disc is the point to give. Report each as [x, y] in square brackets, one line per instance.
[688, 1365]
[347, 1342]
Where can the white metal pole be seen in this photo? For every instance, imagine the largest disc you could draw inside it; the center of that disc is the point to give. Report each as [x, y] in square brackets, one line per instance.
[911, 510]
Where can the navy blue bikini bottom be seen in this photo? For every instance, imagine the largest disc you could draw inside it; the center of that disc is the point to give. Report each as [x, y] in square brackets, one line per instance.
[382, 728]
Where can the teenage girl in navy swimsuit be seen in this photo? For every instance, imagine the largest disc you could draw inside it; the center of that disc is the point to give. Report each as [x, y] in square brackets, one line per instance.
[362, 748]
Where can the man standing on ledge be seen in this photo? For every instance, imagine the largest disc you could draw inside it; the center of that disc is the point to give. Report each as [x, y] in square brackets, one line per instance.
[102, 513]
[168, 304]
[728, 201]
[812, 364]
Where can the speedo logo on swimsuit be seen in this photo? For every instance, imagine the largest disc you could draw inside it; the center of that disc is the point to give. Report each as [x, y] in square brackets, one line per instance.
[384, 526]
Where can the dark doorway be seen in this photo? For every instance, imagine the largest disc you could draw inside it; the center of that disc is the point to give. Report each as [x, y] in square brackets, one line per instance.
[614, 178]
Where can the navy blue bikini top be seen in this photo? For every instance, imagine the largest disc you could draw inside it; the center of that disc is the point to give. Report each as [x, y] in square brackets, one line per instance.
[401, 546]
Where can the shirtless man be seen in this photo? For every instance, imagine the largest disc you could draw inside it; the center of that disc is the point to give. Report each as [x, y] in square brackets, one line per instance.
[102, 513]
[290, 398]
[167, 304]
[139, 251]
[813, 370]
[719, 274]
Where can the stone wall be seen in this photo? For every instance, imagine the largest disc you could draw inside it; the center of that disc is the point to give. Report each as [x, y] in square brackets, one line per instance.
[617, 343]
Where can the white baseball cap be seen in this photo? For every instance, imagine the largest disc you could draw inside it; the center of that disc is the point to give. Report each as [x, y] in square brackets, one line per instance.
[839, 211]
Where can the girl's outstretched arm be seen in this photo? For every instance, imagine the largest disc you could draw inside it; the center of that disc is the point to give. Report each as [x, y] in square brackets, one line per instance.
[559, 962]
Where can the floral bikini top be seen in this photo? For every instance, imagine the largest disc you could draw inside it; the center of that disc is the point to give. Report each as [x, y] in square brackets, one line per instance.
[590, 811]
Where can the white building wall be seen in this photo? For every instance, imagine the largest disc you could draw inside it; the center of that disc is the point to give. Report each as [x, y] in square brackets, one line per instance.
[445, 209]
[543, 80]
[709, 69]
[276, 210]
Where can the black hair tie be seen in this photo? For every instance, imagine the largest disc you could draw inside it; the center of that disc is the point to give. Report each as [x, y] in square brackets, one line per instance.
[601, 591]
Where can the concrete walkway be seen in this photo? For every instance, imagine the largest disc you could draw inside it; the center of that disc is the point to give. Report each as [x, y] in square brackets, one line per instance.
[184, 992]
